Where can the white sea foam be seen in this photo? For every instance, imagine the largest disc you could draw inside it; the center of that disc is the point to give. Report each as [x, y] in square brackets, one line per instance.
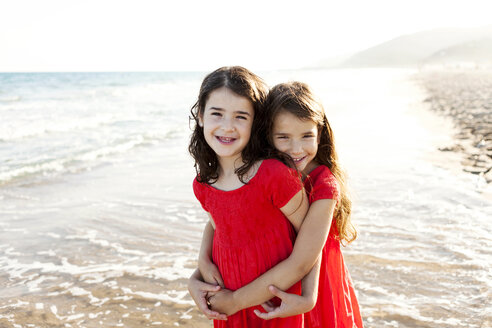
[18, 303]
[422, 256]
[74, 316]
[39, 128]
[175, 297]
[91, 237]
[71, 161]
[185, 315]
[8, 99]
[95, 315]
[34, 284]
[53, 235]
[49, 252]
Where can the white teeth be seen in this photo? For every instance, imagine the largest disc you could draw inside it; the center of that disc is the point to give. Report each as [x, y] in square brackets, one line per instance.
[226, 139]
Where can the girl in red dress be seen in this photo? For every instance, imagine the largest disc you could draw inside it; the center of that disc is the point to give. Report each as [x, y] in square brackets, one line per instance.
[255, 205]
[299, 128]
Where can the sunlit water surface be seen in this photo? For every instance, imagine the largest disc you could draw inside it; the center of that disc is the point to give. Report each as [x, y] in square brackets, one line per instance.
[99, 225]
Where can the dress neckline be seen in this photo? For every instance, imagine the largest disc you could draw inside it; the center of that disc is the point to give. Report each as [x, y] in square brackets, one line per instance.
[244, 185]
[319, 167]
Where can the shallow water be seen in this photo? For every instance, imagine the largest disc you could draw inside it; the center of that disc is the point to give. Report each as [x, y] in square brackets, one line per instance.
[108, 239]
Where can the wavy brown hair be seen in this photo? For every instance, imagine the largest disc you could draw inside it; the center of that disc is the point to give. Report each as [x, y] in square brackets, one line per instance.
[298, 99]
[243, 83]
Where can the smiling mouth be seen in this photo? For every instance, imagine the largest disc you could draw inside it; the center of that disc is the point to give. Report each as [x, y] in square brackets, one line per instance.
[226, 140]
[298, 160]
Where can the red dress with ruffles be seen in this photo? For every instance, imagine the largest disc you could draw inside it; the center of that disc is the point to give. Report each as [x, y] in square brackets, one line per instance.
[337, 305]
[251, 234]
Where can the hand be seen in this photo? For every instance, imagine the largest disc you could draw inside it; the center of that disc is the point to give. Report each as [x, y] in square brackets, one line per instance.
[292, 304]
[199, 291]
[223, 302]
[210, 273]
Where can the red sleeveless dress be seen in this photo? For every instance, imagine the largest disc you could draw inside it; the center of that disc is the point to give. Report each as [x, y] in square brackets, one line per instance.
[251, 234]
[337, 305]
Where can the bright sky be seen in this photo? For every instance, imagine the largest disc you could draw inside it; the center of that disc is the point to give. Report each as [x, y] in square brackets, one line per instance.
[160, 35]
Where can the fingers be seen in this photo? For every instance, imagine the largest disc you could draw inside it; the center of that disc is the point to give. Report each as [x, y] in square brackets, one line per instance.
[221, 316]
[203, 307]
[261, 315]
[216, 315]
[212, 293]
[209, 287]
[219, 281]
[210, 314]
[218, 278]
[268, 307]
[277, 292]
[268, 315]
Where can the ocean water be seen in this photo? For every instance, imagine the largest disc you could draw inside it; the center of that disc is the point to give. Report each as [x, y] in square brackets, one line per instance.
[99, 226]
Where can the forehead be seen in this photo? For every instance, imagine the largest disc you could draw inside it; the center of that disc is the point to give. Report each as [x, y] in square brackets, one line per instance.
[288, 122]
[226, 99]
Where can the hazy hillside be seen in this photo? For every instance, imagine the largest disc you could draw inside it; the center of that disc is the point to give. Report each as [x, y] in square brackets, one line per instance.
[476, 51]
[426, 47]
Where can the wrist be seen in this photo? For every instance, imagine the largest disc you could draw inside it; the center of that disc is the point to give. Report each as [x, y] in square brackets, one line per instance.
[236, 300]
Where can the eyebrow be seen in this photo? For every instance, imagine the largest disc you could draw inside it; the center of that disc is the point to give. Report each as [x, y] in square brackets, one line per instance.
[287, 133]
[237, 111]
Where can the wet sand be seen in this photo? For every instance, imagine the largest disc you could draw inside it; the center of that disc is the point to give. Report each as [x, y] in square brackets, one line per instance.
[113, 246]
[465, 97]
[105, 307]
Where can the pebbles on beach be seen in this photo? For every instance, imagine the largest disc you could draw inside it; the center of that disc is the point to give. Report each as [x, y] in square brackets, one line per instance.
[465, 96]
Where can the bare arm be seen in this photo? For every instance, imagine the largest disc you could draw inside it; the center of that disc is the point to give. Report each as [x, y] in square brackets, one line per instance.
[208, 269]
[309, 243]
[199, 291]
[293, 304]
[310, 284]
[310, 240]
[296, 209]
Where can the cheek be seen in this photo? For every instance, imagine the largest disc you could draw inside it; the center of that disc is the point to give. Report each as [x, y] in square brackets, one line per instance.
[314, 148]
[246, 127]
[279, 145]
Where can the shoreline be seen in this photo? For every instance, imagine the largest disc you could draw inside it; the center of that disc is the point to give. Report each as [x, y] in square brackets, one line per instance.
[464, 96]
[113, 245]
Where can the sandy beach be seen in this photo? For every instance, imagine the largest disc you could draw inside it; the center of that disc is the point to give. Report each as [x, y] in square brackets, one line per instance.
[99, 226]
[466, 97]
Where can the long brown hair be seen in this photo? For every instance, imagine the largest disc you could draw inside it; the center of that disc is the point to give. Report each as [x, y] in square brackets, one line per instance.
[243, 83]
[298, 99]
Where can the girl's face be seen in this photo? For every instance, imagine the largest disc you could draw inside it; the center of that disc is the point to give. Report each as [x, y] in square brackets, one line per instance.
[297, 138]
[227, 120]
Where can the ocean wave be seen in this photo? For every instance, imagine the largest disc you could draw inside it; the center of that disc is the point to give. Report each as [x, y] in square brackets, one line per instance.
[31, 130]
[74, 163]
[10, 99]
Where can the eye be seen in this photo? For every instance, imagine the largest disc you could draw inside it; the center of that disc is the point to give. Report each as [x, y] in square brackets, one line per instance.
[216, 114]
[282, 137]
[242, 117]
[307, 136]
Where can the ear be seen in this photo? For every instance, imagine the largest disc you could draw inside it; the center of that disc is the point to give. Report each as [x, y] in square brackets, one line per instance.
[200, 121]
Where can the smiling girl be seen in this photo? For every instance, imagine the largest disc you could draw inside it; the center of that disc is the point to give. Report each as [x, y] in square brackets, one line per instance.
[298, 127]
[254, 204]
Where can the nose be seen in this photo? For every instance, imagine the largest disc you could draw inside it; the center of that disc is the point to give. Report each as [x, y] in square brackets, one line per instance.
[296, 148]
[228, 125]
